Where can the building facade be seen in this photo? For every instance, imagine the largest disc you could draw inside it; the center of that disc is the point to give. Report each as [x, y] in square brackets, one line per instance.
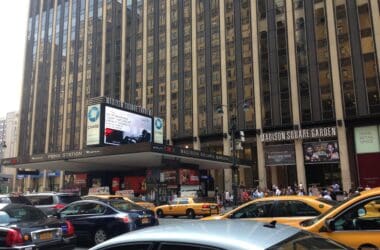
[300, 78]
[8, 148]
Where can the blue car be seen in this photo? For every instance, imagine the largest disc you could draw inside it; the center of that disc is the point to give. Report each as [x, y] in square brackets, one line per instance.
[96, 220]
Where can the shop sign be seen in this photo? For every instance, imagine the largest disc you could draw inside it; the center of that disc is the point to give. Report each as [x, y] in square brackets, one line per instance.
[169, 176]
[308, 133]
[189, 152]
[93, 125]
[158, 131]
[280, 155]
[99, 190]
[367, 139]
[321, 152]
[53, 173]
[189, 176]
[127, 193]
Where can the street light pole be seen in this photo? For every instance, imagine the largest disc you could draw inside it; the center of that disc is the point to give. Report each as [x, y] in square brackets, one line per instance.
[232, 130]
[234, 166]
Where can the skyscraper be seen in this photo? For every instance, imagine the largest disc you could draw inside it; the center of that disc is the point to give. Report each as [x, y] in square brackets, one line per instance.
[297, 75]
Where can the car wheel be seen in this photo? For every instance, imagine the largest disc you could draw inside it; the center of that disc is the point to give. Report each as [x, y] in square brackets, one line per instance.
[160, 214]
[100, 236]
[190, 214]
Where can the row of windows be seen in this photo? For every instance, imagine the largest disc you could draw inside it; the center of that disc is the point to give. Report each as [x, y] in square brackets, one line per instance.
[313, 76]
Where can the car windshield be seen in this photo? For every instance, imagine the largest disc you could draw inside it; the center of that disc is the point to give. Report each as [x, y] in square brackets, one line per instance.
[310, 222]
[305, 241]
[22, 214]
[124, 206]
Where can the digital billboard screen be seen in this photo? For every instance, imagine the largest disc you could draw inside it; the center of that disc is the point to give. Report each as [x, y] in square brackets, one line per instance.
[124, 127]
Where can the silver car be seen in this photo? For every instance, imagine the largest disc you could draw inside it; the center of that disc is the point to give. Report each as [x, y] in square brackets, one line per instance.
[217, 235]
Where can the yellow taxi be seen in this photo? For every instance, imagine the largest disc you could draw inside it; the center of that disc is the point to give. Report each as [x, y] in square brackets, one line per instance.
[141, 203]
[145, 204]
[355, 222]
[278, 208]
[187, 206]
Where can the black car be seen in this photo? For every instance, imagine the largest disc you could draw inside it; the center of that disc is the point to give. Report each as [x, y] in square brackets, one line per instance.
[51, 202]
[97, 221]
[27, 227]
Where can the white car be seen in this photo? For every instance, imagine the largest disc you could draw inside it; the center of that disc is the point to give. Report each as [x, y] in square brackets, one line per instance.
[219, 235]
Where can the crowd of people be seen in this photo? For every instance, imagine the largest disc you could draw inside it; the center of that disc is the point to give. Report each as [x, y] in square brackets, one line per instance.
[332, 192]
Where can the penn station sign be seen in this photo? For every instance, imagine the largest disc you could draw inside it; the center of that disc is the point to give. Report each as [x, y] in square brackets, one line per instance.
[308, 133]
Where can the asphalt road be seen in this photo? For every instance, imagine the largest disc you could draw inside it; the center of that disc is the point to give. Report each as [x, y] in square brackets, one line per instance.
[163, 221]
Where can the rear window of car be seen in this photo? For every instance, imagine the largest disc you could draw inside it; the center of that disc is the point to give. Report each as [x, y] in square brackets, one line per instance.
[41, 199]
[24, 213]
[304, 241]
[19, 200]
[66, 199]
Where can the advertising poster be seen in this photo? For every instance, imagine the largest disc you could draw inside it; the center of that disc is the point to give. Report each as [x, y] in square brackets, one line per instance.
[280, 155]
[115, 184]
[75, 180]
[321, 152]
[367, 139]
[169, 176]
[135, 183]
[158, 130]
[93, 125]
[189, 176]
[123, 127]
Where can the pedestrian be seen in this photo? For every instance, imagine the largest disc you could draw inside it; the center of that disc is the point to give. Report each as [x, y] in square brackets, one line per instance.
[227, 198]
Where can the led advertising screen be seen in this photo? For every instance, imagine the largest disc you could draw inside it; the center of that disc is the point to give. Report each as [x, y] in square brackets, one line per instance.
[124, 127]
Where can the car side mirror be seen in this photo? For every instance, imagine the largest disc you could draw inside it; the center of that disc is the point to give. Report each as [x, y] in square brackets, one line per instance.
[329, 225]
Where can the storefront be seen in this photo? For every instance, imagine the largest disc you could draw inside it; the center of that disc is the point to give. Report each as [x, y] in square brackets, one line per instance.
[280, 161]
[367, 146]
[310, 154]
[321, 160]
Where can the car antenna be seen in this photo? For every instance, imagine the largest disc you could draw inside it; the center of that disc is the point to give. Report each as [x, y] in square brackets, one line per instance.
[271, 224]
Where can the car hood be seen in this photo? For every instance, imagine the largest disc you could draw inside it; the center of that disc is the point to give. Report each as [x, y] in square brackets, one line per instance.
[213, 217]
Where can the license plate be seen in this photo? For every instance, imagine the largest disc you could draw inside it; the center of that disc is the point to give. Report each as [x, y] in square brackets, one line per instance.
[46, 236]
[212, 206]
[145, 221]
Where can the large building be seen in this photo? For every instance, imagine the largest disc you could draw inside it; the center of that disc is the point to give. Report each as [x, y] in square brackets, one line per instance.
[8, 148]
[300, 78]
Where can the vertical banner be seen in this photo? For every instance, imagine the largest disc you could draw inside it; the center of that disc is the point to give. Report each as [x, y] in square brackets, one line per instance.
[158, 131]
[93, 125]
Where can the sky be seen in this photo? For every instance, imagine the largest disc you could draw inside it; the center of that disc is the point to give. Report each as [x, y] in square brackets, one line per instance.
[13, 23]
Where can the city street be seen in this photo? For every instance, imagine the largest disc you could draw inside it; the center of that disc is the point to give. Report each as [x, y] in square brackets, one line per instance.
[163, 221]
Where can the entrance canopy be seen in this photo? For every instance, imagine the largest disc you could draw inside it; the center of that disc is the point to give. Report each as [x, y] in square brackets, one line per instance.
[124, 157]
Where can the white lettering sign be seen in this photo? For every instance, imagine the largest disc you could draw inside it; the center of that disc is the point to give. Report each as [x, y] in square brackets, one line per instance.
[290, 135]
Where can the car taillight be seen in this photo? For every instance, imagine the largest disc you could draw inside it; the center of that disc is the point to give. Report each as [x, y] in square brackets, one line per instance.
[70, 228]
[13, 238]
[59, 206]
[205, 206]
[124, 218]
